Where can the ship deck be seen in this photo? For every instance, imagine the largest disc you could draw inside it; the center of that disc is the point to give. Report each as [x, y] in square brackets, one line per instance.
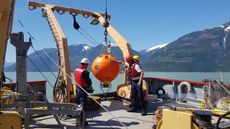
[100, 119]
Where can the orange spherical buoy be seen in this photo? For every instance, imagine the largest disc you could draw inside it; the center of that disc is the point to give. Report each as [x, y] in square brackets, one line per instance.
[105, 68]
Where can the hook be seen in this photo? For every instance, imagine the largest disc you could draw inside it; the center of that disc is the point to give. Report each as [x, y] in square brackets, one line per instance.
[75, 24]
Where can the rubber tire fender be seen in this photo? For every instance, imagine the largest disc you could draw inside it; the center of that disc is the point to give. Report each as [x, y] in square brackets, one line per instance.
[158, 90]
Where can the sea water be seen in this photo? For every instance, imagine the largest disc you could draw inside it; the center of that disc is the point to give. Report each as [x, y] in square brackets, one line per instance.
[193, 76]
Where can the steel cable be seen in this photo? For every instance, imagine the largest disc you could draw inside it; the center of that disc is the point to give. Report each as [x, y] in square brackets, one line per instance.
[90, 95]
[76, 84]
[35, 49]
[39, 71]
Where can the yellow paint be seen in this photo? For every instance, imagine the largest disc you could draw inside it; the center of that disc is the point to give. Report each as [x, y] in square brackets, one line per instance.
[10, 120]
[0, 15]
[40, 108]
[124, 90]
[219, 112]
[6, 19]
[176, 120]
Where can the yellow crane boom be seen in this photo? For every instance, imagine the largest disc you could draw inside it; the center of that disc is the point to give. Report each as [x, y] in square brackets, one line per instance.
[6, 20]
[117, 37]
[61, 39]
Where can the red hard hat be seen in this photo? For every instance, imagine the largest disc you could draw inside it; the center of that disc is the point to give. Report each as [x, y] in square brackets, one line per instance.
[128, 58]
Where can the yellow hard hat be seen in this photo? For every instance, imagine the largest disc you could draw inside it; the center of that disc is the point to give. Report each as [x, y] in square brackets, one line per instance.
[136, 57]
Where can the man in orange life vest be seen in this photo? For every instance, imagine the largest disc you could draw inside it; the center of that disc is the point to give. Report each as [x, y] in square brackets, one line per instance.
[82, 80]
[137, 97]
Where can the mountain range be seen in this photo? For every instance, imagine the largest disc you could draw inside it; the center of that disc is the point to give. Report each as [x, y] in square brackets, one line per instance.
[206, 50]
[203, 51]
[42, 62]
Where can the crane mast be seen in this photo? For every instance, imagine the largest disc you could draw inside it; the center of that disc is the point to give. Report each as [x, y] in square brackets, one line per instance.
[63, 53]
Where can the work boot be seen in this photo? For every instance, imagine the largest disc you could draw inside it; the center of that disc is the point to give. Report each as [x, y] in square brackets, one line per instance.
[131, 110]
[86, 123]
[143, 113]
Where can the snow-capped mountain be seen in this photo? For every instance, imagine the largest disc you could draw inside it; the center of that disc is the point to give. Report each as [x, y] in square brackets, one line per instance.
[86, 48]
[83, 48]
[76, 53]
[205, 50]
[148, 52]
[226, 26]
[154, 48]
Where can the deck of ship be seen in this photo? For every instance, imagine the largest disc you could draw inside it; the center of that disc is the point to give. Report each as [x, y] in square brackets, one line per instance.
[101, 119]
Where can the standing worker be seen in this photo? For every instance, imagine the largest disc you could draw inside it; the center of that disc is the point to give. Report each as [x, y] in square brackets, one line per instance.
[128, 63]
[82, 80]
[137, 97]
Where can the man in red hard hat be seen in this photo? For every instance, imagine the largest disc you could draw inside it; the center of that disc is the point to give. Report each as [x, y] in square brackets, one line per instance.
[128, 63]
[128, 58]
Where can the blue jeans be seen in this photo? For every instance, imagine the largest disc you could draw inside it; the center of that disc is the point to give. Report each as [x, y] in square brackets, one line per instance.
[81, 96]
[137, 97]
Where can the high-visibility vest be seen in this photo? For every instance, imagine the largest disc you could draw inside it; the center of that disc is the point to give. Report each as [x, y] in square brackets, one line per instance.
[134, 74]
[78, 76]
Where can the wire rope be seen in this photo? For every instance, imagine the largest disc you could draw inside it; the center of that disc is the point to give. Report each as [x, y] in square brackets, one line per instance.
[75, 82]
[39, 71]
[90, 37]
[90, 95]
[44, 62]
[31, 36]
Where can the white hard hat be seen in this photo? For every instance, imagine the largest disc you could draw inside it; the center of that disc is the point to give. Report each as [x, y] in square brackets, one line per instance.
[85, 61]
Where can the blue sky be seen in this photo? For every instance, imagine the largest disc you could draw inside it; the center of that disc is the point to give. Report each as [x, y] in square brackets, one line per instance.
[144, 23]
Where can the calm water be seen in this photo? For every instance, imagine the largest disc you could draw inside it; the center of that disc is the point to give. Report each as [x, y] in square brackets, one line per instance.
[194, 76]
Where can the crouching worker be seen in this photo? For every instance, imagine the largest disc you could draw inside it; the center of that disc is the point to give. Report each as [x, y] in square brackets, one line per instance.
[82, 80]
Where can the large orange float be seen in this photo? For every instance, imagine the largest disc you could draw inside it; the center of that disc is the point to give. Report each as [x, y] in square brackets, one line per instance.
[105, 68]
